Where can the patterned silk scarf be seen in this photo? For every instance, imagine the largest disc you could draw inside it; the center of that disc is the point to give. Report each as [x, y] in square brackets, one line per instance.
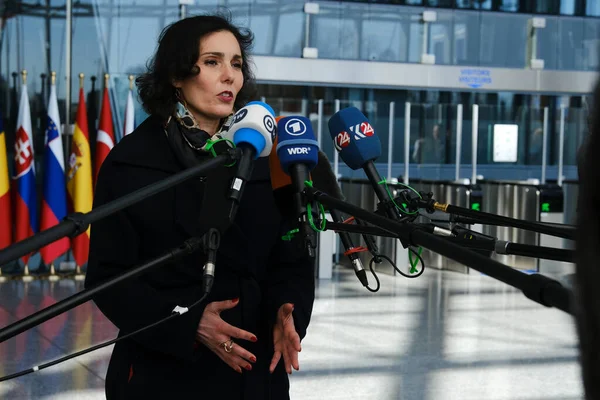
[188, 140]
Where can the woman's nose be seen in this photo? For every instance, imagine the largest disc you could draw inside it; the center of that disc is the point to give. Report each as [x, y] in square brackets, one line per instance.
[228, 73]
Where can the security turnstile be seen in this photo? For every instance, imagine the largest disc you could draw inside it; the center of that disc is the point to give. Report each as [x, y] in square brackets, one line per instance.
[531, 201]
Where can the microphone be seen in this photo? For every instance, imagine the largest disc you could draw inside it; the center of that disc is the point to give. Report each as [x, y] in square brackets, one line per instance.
[358, 145]
[253, 129]
[297, 150]
[324, 179]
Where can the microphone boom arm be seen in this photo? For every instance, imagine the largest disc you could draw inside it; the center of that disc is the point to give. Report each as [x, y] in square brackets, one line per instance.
[77, 223]
[536, 287]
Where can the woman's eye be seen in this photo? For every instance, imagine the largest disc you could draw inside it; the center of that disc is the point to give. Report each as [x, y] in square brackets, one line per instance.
[237, 65]
[210, 62]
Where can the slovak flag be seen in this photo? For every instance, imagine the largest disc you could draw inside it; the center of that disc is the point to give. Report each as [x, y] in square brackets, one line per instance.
[26, 198]
[54, 205]
[129, 123]
[106, 136]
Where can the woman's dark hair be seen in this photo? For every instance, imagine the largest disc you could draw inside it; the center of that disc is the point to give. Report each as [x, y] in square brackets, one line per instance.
[176, 57]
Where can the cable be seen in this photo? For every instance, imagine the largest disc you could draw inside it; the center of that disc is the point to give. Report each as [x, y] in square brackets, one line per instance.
[309, 215]
[176, 311]
[403, 209]
[413, 266]
[375, 276]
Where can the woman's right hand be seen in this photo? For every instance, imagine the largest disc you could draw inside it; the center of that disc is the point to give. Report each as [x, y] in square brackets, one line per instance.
[213, 332]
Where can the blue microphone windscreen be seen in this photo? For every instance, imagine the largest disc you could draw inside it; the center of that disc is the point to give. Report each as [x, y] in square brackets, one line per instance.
[354, 137]
[296, 143]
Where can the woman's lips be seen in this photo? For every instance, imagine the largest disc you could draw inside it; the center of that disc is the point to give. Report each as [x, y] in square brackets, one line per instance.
[226, 96]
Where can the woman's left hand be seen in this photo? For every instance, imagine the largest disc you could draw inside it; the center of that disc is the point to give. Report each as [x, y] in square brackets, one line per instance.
[286, 340]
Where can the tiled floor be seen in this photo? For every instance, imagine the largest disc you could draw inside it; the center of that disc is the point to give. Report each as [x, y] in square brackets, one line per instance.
[444, 335]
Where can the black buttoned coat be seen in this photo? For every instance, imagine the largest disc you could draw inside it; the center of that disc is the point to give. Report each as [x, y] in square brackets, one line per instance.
[253, 264]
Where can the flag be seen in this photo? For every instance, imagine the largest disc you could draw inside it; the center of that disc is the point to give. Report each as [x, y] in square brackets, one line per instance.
[79, 179]
[129, 121]
[54, 204]
[5, 214]
[106, 136]
[26, 200]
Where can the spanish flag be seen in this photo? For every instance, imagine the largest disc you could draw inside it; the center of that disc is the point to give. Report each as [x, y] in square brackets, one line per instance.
[79, 178]
[5, 215]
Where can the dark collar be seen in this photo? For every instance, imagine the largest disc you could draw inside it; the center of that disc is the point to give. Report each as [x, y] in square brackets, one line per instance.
[148, 147]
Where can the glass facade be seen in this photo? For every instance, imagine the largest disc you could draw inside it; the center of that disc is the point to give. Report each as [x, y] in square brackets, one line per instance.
[553, 7]
[118, 37]
[378, 32]
[433, 122]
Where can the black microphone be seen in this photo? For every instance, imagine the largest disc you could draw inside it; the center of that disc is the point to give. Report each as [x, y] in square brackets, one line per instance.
[324, 179]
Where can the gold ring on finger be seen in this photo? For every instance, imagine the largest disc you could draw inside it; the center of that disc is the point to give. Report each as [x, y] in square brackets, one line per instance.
[227, 345]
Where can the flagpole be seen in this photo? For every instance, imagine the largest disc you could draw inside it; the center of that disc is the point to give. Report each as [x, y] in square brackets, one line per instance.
[68, 29]
[79, 276]
[53, 275]
[26, 275]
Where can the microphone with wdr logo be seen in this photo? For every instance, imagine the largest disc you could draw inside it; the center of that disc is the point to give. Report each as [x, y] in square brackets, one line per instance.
[297, 150]
[253, 130]
[358, 145]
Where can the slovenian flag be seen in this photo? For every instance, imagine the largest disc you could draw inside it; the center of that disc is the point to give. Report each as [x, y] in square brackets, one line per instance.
[26, 198]
[54, 205]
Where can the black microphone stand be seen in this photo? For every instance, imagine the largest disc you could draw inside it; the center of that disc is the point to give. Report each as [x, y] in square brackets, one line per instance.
[430, 205]
[48, 236]
[188, 247]
[77, 223]
[536, 287]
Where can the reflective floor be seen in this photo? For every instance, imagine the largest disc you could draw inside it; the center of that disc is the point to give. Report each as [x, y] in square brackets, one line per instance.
[444, 335]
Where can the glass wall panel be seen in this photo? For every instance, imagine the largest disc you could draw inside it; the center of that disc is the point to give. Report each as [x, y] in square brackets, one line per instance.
[591, 41]
[592, 8]
[547, 49]
[503, 40]
[386, 34]
[508, 5]
[576, 130]
[336, 30]
[430, 130]
[466, 38]
[571, 54]
[289, 31]
[440, 37]
[474, 4]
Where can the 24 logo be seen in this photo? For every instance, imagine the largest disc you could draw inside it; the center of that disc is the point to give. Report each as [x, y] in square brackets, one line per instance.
[341, 140]
[362, 130]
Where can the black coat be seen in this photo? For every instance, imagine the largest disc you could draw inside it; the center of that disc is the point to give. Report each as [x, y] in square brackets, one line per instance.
[253, 263]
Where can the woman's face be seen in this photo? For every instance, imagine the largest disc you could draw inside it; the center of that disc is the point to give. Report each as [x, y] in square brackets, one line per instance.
[210, 95]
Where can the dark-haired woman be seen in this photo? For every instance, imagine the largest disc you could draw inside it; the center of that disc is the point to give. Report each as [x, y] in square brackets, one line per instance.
[244, 340]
